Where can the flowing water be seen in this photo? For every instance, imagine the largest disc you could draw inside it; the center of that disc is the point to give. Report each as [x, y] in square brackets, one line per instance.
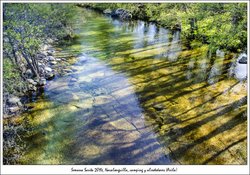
[137, 95]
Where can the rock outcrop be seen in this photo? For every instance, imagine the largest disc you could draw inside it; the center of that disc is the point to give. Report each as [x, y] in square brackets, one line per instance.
[121, 13]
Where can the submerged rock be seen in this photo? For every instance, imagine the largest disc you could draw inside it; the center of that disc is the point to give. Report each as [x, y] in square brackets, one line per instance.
[49, 76]
[67, 70]
[158, 107]
[73, 80]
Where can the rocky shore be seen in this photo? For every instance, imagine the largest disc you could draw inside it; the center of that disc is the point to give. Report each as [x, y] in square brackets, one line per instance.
[49, 66]
[52, 62]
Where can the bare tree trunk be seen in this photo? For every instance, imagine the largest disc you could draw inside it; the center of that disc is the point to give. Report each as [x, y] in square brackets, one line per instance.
[33, 69]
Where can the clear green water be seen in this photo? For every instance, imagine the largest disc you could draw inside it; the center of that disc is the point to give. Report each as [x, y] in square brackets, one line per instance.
[138, 96]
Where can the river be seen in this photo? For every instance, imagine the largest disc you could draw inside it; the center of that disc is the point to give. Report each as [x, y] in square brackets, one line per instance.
[137, 95]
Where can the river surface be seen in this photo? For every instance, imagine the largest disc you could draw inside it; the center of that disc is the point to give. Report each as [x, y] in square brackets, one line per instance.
[137, 95]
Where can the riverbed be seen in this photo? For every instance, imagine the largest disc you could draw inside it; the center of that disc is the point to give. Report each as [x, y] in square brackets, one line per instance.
[137, 95]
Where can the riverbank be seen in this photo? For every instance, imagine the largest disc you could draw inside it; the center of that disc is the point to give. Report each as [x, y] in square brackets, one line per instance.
[49, 67]
[30, 34]
[129, 13]
[199, 22]
[53, 63]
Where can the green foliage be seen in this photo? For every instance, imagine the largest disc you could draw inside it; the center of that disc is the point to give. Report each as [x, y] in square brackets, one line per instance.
[12, 81]
[26, 26]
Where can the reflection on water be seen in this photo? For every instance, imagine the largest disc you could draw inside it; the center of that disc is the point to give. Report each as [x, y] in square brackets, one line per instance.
[175, 47]
[138, 96]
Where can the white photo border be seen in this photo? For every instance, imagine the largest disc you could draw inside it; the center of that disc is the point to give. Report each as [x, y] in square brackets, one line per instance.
[142, 169]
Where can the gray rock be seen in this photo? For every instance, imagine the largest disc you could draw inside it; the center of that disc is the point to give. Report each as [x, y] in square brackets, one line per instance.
[29, 73]
[243, 60]
[42, 81]
[53, 62]
[41, 55]
[49, 76]
[31, 82]
[41, 70]
[14, 100]
[19, 103]
[32, 87]
[58, 59]
[40, 64]
[48, 69]
[14, 109]
[51, 58]
[50, 52]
